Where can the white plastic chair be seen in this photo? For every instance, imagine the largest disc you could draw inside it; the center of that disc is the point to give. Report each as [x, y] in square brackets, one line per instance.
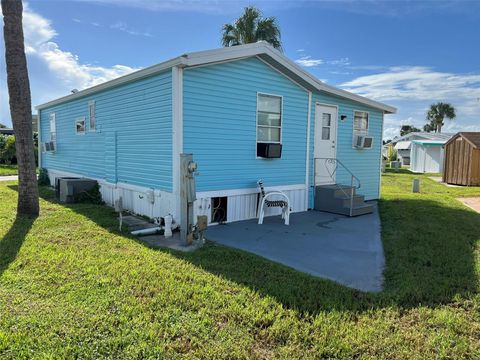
[265, 201]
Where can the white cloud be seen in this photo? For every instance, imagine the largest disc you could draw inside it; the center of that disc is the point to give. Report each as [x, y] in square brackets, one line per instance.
[340, 62]
[416, 82]
[413, 88]
[307, 61]
[61, 70]
[66, 66]
[122, 26]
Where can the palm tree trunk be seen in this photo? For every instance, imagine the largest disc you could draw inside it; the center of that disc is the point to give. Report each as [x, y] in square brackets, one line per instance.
[20, 106]
[439, 127]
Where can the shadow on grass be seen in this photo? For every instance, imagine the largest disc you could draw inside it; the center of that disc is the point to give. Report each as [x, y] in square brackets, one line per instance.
[429, 248]
[430, 260]
[12, 241]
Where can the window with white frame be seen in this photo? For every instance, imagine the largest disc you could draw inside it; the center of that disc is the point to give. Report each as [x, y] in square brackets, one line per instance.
[91, 116]
[360, 123]
[269, 118]
[53, 127]
[80, 126]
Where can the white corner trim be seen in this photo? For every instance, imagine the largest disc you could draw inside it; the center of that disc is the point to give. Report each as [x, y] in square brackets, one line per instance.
[177, 133]
[307, 155]
[381, 160]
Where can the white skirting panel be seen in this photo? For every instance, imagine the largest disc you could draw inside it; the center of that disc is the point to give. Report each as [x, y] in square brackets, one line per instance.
[137, 199]
[242, 205]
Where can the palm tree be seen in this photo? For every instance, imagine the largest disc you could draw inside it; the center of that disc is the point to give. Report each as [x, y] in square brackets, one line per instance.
[407, 129]
[251, 27]
[438, 112]
[20, 106]
[429, 127]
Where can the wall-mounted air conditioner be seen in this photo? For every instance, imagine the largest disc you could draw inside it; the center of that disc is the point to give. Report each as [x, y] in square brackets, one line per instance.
[49, 146]
[362, 141]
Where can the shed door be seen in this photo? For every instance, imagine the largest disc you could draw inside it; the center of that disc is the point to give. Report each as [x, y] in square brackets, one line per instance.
[325, 143]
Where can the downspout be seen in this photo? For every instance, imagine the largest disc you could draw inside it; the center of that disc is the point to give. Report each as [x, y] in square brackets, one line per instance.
[177, 136]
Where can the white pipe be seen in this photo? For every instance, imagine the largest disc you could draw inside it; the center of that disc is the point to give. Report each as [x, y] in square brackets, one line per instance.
[148, 231]
[168, 226]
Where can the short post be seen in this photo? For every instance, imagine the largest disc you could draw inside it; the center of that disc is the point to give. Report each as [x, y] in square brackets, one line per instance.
[416, 185]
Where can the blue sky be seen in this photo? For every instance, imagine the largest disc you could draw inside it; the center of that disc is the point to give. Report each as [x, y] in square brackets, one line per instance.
[408, 54]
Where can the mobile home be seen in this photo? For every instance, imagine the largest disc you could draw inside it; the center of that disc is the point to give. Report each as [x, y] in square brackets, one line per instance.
[245, 113]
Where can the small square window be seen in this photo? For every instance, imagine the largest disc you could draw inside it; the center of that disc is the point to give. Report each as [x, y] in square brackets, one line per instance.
[80, 126]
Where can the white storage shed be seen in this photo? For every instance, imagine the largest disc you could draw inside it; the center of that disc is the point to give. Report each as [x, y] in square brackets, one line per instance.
[427, 156]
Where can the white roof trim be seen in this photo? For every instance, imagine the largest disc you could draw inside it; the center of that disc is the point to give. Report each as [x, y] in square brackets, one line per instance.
[224, 54]
[403, 145]
[115, 82]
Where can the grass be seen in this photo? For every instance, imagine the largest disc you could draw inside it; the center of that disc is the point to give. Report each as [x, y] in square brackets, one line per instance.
[8, 170]
[72, 286]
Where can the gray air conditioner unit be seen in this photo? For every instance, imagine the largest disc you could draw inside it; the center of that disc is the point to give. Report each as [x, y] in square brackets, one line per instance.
[68, 188]
[49, 146]
[363, 142]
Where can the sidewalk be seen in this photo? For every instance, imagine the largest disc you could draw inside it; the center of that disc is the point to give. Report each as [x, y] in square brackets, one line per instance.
[8, 178]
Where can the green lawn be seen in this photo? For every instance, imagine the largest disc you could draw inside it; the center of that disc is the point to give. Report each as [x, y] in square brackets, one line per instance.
[72, 286]
[8, 170]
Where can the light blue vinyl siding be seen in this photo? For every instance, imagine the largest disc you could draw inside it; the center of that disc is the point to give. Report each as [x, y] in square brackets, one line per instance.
[133, 140]
[364, 163]
[219, 124]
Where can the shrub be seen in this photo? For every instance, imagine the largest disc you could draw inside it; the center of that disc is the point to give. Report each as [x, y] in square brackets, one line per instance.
[43, 178]
[7, 150]
[392, 153]
[92, 196]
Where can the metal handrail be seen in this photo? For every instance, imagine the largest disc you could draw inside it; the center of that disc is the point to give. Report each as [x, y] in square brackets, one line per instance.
[337, 162]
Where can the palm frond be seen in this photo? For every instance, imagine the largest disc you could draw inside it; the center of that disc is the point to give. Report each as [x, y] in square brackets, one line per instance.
[250, 27]
[269, 31]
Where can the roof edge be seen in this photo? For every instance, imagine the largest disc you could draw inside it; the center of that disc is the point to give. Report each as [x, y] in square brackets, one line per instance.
[225, 54]
[139, 74]
[462, 134]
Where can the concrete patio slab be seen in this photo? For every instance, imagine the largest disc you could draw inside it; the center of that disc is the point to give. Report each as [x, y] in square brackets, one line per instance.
[346, 250]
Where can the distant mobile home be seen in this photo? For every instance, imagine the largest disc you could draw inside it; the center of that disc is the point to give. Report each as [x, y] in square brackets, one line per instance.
[403, 144]
[427, 156]
[232, 108]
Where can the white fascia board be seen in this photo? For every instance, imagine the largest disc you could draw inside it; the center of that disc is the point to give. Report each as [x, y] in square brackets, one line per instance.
[151, 70]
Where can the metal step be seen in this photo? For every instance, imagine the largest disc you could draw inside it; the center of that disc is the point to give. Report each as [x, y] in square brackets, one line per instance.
[336, 199]
[357, 200]
[335, 189]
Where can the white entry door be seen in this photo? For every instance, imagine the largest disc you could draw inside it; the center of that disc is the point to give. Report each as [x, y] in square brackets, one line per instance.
[325, 144]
